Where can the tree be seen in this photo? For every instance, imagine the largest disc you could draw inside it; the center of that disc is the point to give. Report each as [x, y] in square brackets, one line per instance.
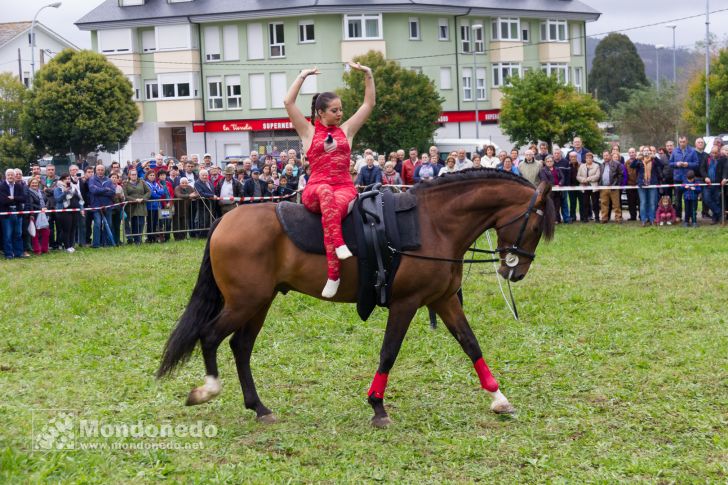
[694, 112]
[539, 107]
[15, 151]
[616, 68]
[408, 105]
[649, 116]
[80, 102]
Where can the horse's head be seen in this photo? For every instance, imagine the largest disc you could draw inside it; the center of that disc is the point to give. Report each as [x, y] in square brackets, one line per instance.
[520, 230]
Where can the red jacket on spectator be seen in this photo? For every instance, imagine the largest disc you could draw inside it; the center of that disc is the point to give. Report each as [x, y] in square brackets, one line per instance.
[408, 171]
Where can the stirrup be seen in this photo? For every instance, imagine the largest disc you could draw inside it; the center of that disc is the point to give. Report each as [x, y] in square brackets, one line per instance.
[332, 286]
[342, 252]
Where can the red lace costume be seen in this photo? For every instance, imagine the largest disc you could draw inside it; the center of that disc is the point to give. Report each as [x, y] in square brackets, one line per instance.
[329, 189]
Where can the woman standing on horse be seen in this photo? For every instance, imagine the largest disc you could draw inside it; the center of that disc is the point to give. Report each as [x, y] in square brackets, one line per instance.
[327, 146]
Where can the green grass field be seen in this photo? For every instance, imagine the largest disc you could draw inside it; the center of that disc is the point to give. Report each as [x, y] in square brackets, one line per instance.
[618, 369]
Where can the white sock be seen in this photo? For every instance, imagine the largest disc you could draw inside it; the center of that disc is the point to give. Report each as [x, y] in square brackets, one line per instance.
[342, 252]
[332, 286]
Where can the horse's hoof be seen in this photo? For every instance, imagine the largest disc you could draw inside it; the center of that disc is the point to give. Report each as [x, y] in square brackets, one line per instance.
[381, 421]
[198, 395]
[502, 407]
[267, 418]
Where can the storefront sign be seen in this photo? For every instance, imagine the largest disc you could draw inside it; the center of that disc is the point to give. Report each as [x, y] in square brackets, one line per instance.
[275, 124]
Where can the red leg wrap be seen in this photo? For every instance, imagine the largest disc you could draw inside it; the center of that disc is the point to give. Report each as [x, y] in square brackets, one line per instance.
[379, 384]
[487, 381]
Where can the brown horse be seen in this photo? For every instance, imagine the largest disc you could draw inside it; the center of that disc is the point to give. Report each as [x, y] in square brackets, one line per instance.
[243, 270]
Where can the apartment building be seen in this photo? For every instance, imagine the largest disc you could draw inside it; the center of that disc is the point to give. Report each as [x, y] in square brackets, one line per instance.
[210, 76]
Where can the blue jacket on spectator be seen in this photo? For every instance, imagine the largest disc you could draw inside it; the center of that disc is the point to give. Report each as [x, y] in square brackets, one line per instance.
[689, 155]
[158, 191]
[369, 175]
[102, 191]
[655, 175]
[691, 194]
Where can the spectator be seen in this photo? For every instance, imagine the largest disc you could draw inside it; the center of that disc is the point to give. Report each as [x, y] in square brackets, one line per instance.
[390, 175]
[588, 176]
[502, 156]
[448, 168]
[206, 161]
[292, 179]
[550, 174]
[37, 201]
[515, 159]
[649, 170]
[137, 193]
[102, 191]
[266, 176]
[564, 169]
[611, 176]
[254, 187]
[579, 149]
[683, 159]
[543, 151]
[574, 196]
[166, 209]
[206, 211]
[632, 196]
[409, 166]
[230, 187]
[116, 212]
[666, 174]
[255, 161]
[185, 194]
[435, 155]
[690, 193]
[509, 167]
[12, 199]
[477, 161]
[86, 216]
[49, 184]
[303, 179]
[665, 212]
[189, 170]
[530, 167]
[711, 193]
[462, 162]
[156, 193]
[67, 196]
[27, 247]
[369, 174]
[174, 176]
[489, 160]
[426, 170]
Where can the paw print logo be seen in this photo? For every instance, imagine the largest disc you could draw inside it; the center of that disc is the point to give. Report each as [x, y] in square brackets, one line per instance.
[56, 434]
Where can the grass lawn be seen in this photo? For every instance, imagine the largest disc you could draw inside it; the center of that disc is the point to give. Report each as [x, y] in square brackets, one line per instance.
[618, 369]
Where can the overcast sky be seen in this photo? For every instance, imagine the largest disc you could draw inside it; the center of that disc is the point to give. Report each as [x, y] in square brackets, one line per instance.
[619, 15]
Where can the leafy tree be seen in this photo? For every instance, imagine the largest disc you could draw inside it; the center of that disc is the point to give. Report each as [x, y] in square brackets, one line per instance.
[408, 105]
[649, 116]
[80, 102]
[616, 68]
[694, 112]
[15, 151]
[539, 107]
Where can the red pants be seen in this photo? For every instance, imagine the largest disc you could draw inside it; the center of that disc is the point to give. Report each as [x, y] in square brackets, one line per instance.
[332, 202]
[40, 240]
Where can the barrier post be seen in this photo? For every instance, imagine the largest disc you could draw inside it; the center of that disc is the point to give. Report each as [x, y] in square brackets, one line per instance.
[722, 204]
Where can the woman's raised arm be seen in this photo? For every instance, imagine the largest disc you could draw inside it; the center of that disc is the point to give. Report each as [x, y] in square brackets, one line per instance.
[353, 124]
[302, 126]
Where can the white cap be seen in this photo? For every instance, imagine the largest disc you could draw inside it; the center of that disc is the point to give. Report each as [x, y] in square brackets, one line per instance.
[206, 155]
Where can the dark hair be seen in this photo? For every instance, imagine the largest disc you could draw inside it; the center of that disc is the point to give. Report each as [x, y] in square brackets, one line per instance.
[64, 176]
[321, 101]
[691, 174]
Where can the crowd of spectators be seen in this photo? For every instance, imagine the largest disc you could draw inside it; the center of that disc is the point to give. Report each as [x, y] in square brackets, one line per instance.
[156, 201]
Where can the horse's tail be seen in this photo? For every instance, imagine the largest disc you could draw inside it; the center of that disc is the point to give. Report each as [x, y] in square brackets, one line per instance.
[202, 310]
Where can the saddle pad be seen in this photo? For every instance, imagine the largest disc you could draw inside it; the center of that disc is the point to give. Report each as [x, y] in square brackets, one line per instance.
[306, 232]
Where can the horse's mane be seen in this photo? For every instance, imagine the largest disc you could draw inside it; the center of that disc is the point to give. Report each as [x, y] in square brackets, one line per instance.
[548, 222]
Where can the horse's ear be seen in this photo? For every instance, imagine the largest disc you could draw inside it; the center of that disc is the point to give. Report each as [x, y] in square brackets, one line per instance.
[544, 189]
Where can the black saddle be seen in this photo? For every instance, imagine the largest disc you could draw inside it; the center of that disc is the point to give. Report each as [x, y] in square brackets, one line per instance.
[378, 220]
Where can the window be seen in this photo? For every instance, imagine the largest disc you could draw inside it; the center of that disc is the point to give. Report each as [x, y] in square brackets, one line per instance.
[576, 40]
[560, 70]
[174, 37]
[478, 38]
[310, 85]
[234, 92]
[214, 93]
[480, 83]
[130, 3]
[30, 38]
[151, 89]
[553, 31]
[212, 44]
[257, 91]
[230, 43]
[414, 28]
[306, 32]
[443, 29]
[525, 33]
[149, 41]
[136, 92]
[277, 89]
[176, 85]
[465, 38]
[114, 40]
[506, 29]
[467, 84]
[416, 69]
[578, 79]
[275, 37]
[501, 73]
[255, 41]
[363, 26]
[26, 78]
[445, 78]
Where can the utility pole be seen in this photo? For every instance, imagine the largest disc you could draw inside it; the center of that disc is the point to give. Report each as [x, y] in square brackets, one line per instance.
[707, 67]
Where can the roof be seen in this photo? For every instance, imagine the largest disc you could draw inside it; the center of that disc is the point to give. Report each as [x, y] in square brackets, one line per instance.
[154, 12]
[11, 30]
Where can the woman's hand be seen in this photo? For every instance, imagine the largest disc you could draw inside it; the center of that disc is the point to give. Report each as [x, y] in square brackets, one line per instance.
[358, 67]
[307, 72]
